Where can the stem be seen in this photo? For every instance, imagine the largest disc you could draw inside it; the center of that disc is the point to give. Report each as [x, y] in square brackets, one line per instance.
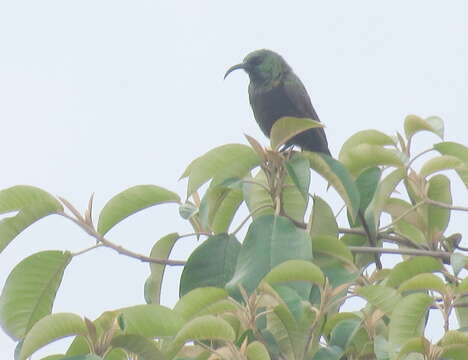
[415, 252]
[445, 206]
[418, 156]
[120, 249]
[402, 216]
[87, 249]
[249, 216]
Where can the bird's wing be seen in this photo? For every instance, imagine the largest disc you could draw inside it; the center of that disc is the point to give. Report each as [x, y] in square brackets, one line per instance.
[297, 94]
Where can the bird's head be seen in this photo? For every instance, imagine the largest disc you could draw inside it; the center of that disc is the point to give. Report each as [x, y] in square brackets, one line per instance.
[262, 66]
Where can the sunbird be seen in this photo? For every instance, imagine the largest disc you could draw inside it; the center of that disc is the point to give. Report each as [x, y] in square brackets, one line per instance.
[274, 92]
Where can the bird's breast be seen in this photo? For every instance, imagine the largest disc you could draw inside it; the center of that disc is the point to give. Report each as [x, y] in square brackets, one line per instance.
[269, 104]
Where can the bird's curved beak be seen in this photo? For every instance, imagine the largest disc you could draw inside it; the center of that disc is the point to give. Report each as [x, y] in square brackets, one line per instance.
[235, 67]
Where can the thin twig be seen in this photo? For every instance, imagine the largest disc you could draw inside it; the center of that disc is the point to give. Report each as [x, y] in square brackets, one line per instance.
[87, 249]
[444, 205]
[418, 156]
[415, 252]
[249, 216]
[121, 250]
[402, 216]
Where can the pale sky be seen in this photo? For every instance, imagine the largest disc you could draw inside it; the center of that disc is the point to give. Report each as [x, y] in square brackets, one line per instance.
[98, 96]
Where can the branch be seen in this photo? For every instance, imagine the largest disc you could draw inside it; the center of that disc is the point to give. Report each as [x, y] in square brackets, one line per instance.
[415, 252]
[119, 248]
[444, 205]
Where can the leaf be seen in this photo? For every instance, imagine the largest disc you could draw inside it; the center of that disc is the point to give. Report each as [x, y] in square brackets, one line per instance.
[458, 262]
[382, 193]
[285, 128]
[415, 124]
[218, 208]
[144, 348]
[407, 269]
[408, 317]
[30, 289]
[50, 328]
[382, 297]
[344, 331]
[131, 201]
[332, 246]
[151, 320]
[298, 170]
[322, 221]
[295, 270]
[187, 210]
[423, 282]
[459, 151]
[440, 163]
[397, 207]
[365, 156]
[31, 203]
[329, 353]
[337, 175]
[270, 241]
[438, 218]
[205, 327]
[197, 300]
[210, 264]
[367, 183]
[219, 164]
[257, 351]
[371, 137]
[161, 250]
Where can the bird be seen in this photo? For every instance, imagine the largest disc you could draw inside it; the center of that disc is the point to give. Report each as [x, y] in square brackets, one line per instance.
[276, 91]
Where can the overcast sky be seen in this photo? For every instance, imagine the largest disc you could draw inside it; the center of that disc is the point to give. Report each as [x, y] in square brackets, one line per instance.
[97, 96]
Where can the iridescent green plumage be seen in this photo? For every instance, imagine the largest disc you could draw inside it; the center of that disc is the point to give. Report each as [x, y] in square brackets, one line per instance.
[275, 91]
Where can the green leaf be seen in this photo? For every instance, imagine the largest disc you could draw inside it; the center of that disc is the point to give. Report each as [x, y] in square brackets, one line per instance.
[415, 124]
[285, 128]
[408, 318]
[337, 175]
[151, 320]
[438, 218]
[139, 345]
[322, 220]
[382, 297]
[29, 291]
[366, 156]
[458, 262]
[459, 151]
[414, 346]
[332, 246]
[270, 241]
[50, 328]
[81, 357]
[161, 250]
[343, 333]
[210, 264]
[367, 183]
[295, 270]
[197, 300]
[187, 210]
[257, 197]
[219, 164]
[440, 163]
[131, 201]
[409, 268]
[371, 137]
[423, 282]
[298, 170]
[257, 351]
[31, 203]
[218, 208]
[383, 192]
[205, 327]
[329, 353]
